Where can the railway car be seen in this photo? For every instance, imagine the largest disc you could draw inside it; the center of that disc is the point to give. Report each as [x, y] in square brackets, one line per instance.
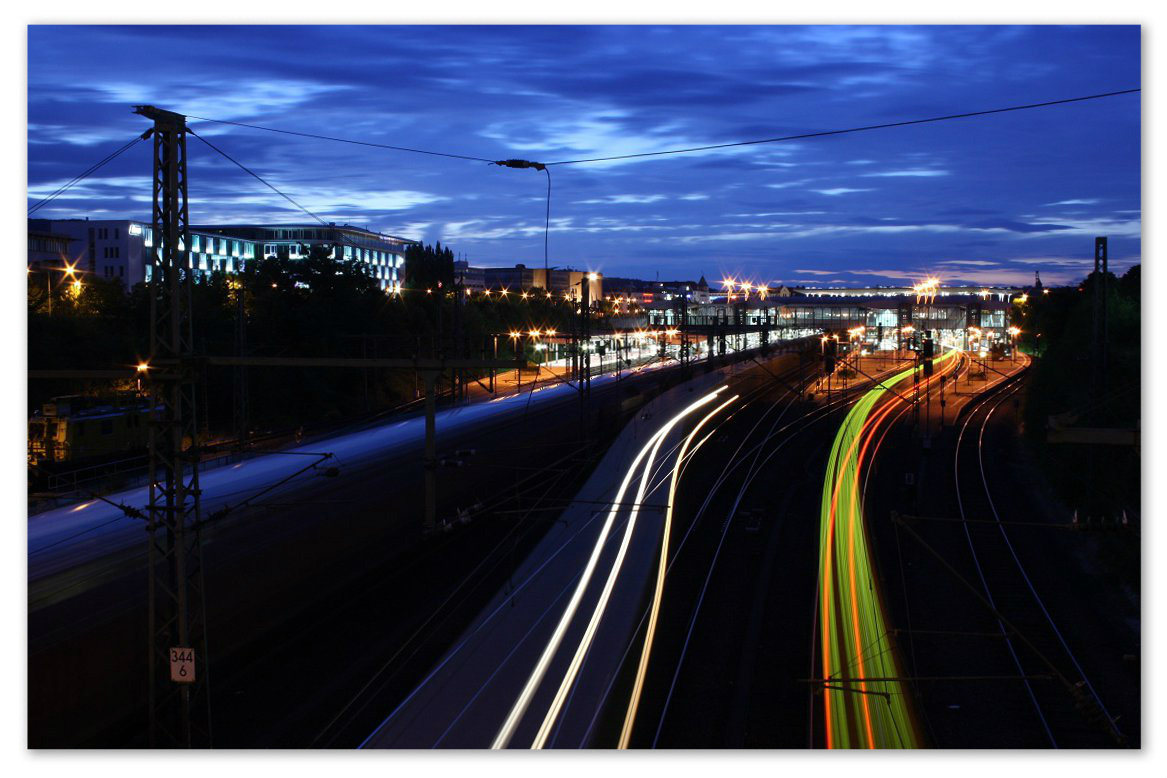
[80, 428]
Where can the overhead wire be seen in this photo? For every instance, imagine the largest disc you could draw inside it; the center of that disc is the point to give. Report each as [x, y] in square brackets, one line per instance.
[690, 149]
[865, 128]
[516, 163]
[257, 177]
[88, 172]
[343, 140]
[274, 188]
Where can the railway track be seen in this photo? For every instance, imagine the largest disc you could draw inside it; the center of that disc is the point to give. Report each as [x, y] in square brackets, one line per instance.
[1055, 697]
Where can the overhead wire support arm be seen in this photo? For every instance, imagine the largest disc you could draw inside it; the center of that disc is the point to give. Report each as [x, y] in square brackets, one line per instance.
[519, 163]
[522, 164]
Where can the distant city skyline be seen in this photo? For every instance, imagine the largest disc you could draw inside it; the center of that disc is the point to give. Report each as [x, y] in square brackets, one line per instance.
[980, 200]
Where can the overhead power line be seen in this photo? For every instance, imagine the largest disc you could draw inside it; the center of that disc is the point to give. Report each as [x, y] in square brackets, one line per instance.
[691, 149]
[257, 176]
[825, 133]
[343, 238]
[88, 172]
[343, 140]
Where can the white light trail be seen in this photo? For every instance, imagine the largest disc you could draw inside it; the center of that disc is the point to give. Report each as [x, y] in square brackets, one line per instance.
[634, 701]
[506, 732]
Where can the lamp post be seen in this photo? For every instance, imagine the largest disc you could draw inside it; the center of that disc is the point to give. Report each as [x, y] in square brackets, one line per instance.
[515, 335]
[69, 270]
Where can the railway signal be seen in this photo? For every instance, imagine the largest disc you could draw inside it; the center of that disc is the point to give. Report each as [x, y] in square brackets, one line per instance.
[927, 351]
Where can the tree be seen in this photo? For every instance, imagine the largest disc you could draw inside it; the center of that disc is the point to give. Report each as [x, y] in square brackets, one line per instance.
[429, 267]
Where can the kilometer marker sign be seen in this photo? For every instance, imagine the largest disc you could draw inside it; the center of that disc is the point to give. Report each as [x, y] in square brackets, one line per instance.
[182, 665]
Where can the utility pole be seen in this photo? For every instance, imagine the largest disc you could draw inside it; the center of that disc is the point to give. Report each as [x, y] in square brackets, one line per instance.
[1099, 352]
[241, 421]
[179, 704]
[459, 374]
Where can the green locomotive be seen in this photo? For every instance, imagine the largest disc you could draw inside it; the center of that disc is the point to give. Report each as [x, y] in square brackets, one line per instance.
[80, 428]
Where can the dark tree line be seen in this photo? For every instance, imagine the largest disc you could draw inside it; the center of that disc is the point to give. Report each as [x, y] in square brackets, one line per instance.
[1058, 328]
[315, 306]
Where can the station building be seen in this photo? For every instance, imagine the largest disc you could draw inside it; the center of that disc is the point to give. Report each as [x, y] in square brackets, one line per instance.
[888, 321]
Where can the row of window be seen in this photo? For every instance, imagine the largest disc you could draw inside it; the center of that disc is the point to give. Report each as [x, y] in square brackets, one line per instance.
[47, 244]
[112, 252]
[368, 256]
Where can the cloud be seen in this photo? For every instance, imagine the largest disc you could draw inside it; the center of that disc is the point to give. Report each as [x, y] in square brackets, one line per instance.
[840, 190]
[625, 199]
[974, 262]
[915, 173]
[564, 92]
[789, 184]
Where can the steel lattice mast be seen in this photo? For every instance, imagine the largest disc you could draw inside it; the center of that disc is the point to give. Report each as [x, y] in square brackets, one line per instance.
[178, 690]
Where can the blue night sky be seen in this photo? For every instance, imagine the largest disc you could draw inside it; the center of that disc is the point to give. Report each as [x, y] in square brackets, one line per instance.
[979, 200]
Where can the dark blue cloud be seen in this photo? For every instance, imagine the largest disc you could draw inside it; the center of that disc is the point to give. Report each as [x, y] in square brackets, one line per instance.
[1012, 189]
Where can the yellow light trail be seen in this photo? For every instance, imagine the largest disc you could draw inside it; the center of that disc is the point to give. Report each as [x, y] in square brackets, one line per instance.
[852, 617]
